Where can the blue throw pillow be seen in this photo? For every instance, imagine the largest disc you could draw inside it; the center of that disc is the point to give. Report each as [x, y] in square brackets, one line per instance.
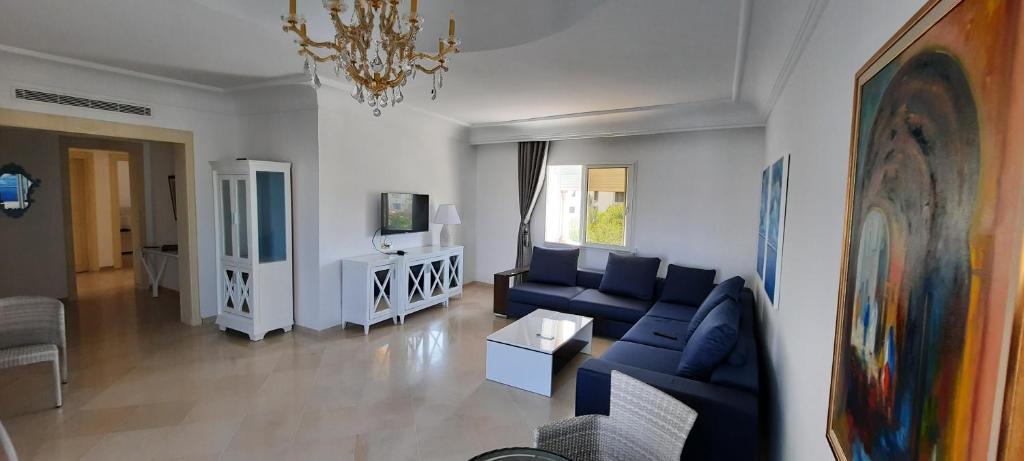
[729, 289]
[714, 339]
[686, 285]
[557, 267]
[632, 276]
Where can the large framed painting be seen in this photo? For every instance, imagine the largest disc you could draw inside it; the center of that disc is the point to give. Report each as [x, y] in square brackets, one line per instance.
[929, 314]
[774, 185]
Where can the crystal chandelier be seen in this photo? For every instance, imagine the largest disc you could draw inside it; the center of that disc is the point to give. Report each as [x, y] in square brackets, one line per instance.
[375, 50]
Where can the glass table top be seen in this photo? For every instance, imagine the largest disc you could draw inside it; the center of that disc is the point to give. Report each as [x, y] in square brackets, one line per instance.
[541, 330]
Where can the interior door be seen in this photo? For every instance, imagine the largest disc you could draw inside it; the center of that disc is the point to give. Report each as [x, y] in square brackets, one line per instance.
[80, 222]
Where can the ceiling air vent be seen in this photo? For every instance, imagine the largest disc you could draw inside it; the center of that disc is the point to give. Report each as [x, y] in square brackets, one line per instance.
[78, 101]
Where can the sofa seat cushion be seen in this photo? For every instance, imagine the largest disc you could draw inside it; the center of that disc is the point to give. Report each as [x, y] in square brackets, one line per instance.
[543, 294]
[658, 332]
[593, 303]
[712, 343]
[632, 276]
[672, 311]
[643, 356]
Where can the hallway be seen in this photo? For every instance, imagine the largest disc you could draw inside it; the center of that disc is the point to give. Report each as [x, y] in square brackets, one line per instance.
[110, 311]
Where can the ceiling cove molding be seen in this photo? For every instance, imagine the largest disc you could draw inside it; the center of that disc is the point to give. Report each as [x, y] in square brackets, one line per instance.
[477, 140]
[106, 68]
[624, 110]
[670, 118]
[810, 22]
[741, 48]
[293, 79]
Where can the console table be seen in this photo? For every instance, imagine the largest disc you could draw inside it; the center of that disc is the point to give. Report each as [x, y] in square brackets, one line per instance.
[378, 287]
[155, 269]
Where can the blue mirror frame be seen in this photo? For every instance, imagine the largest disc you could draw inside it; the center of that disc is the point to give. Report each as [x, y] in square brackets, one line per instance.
[14, 169]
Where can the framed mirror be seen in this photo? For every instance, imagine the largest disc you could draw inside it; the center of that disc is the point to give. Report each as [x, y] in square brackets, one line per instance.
[16, 187]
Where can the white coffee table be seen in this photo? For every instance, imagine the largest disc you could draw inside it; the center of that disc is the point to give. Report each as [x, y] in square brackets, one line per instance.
[527, 353]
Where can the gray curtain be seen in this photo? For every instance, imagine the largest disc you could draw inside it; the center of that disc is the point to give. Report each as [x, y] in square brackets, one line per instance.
[533, 161]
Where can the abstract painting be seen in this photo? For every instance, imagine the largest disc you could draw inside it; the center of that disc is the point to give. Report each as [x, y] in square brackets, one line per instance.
[930, 268]
[774, 184]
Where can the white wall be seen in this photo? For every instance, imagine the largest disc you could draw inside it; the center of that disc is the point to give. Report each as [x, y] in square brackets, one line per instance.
[362, 156]
[695, 198]
[280, 124]
[811, 121]
[161, 228]
[32, 246]
[210, 116]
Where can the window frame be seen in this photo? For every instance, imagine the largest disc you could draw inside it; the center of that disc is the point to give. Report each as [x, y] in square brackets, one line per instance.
[631, 185]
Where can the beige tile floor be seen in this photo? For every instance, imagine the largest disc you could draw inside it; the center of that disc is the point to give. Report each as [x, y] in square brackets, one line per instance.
[146, 387]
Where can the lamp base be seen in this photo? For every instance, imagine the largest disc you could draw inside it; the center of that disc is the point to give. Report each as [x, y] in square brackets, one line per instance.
[446, 236]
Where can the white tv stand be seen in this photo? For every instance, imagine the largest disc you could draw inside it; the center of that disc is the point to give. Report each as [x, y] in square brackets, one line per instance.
[377, 287]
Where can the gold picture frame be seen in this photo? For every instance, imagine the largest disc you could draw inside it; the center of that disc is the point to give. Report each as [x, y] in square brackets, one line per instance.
[982, 414]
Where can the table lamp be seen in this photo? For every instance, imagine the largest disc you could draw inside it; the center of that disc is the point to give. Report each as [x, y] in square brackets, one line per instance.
[446, 215]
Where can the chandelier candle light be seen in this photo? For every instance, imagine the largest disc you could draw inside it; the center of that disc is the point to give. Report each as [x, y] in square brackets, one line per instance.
[376, 50]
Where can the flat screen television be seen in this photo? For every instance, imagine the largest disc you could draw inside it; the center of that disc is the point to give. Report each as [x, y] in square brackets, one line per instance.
[402, 213]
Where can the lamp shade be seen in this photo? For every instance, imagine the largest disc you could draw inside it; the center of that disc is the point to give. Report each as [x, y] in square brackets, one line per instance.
[447, 214]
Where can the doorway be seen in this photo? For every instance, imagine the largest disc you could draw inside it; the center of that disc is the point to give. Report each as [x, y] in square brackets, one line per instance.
[102, 224]
[181, 148]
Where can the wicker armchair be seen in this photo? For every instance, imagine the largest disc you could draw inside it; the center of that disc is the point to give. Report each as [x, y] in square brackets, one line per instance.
[32, 331]
[6, 446]
[644, 424]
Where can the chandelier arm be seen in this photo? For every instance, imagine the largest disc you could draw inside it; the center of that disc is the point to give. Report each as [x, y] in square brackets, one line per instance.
[439, 57]
[431, 70]
[305, 38]
[317, 57]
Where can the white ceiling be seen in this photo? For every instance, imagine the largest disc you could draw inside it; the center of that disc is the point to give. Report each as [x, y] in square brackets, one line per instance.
[522, 59]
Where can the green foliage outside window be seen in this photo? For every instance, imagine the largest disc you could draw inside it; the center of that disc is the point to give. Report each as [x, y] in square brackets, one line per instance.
[607, 227]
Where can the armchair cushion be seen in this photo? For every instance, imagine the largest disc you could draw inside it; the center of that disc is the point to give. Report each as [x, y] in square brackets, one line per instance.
[26, 355]
[714, 339]
[632, 276]
[686, 285]
[557, 267]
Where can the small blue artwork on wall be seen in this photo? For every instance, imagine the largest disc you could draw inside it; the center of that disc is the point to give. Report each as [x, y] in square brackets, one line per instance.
[774, 183]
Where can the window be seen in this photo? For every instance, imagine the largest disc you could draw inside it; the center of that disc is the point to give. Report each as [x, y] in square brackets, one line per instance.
[603, 220]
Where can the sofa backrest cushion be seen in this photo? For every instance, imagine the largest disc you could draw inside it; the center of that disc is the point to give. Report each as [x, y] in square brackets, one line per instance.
[686, 285]
[712, 343]
[740, 368]
[727, 290]
[632, 276]
[557, 267]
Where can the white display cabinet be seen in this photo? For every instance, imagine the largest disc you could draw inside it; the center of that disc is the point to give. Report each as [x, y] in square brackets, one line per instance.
[252, 202]
[379, 287]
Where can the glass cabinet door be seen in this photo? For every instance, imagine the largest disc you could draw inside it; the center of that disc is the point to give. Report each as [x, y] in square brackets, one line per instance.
[233, 195]
[271, 215]
[242, 225]
[227, 224]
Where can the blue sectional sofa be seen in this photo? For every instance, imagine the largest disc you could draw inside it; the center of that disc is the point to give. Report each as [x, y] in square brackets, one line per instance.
[721, 385]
